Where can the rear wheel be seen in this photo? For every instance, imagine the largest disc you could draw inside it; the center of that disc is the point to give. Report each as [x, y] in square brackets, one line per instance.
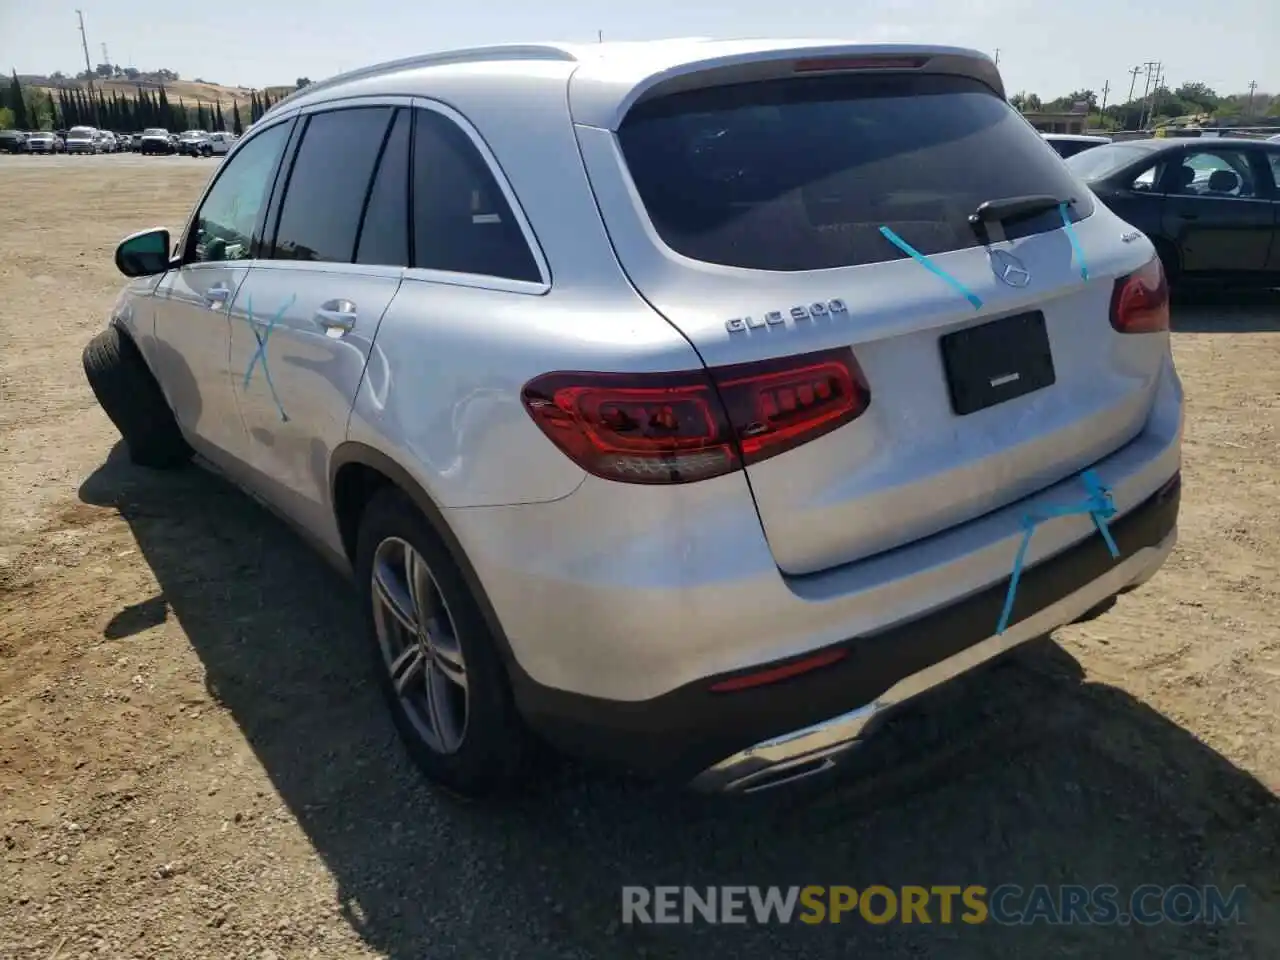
[436, 660]
[132, 399]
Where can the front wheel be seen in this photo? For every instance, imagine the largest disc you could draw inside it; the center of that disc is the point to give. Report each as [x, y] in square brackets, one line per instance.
[436, 659]
[131, 398]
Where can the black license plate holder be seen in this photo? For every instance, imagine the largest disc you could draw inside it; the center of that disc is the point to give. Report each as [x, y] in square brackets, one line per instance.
[998, 361]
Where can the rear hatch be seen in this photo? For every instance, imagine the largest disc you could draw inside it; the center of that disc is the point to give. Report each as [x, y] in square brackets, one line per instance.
[750, 215]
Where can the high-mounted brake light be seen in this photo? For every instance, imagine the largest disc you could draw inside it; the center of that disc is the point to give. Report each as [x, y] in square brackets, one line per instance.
[1140, 301]
[696, 424]
[823, 64]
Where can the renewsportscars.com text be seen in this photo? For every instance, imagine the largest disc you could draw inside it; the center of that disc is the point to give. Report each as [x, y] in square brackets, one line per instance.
[1007, 904]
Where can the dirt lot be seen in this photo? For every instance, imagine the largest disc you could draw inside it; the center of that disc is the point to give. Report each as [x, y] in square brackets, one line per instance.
[194, 763]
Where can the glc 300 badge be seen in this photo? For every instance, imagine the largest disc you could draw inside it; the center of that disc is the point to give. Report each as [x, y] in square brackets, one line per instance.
[797, 314]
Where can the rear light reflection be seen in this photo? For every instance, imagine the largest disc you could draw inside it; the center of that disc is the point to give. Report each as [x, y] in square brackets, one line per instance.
[693, 425]
[1140, 301]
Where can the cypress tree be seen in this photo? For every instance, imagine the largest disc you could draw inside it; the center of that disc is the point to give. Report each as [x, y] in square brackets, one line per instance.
[164, 116]
[236, 127]
[219, 123]
[17, 104]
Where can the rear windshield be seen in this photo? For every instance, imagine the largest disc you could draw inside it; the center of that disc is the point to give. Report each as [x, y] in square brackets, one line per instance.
[800, 174]
[1104, 161]
[82, 132]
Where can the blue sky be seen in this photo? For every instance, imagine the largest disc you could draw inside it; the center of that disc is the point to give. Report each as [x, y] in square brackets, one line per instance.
[1046, 48]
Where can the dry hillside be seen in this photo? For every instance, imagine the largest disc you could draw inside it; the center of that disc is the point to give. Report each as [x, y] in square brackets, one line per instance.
[190, 92]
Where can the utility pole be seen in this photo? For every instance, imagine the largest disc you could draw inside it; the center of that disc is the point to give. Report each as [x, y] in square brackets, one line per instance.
[599, 36]
[1153, 73]
[1102, 111]
[1253, 85]
[997, 56]
[1133, 79]
[106, 57]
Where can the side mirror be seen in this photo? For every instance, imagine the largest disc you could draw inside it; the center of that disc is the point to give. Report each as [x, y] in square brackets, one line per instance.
[144, 254]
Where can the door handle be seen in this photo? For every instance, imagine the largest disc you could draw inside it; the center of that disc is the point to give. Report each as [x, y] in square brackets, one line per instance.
[336, 317]
[217, 294]
[1189, 216]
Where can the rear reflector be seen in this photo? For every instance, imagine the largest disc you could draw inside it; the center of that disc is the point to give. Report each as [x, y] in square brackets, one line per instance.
[784, 672]
[1140, 301]
[825, 64]
[696, 424]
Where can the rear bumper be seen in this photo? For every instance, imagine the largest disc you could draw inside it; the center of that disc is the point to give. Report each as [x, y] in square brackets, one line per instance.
[758, 737]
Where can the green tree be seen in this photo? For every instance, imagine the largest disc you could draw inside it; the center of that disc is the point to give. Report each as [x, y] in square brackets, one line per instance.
[1024, 101]
[18, 104]
[219, 122]
[236, 126]
[164, 114]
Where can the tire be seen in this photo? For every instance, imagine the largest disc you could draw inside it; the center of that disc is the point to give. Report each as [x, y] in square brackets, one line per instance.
[495, 750]
[133, 401]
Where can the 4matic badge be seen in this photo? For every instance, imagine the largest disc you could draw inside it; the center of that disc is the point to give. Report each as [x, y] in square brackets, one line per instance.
[797, 314]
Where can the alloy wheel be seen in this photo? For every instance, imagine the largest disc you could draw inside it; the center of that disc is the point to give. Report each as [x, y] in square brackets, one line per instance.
[419, 645]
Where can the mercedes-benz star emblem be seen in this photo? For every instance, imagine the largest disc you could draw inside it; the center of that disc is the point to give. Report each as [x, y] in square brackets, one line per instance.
[1009, 269]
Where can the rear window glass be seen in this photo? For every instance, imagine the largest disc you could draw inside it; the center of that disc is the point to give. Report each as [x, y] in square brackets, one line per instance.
[1104, 161]
[800, 174]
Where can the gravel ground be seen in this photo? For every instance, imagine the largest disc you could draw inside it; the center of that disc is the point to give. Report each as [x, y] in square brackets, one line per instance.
[194, 761]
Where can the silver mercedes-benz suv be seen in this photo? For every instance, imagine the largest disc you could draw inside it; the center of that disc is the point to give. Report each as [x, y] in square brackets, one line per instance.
[683, 404]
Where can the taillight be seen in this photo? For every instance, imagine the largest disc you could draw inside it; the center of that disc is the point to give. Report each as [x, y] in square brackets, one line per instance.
[696, 424]
[1140, 301]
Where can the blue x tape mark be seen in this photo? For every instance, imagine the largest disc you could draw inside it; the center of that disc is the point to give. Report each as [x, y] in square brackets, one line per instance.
[932, 267]
[1098, 505]
[1075, 241]
[261, 353]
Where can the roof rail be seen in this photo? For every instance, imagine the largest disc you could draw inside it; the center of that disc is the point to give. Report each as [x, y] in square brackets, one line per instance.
[501, 51]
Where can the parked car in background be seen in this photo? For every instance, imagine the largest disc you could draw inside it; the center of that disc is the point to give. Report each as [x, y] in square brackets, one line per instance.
[41, 141]
[1211, 207]
[13, 141]
[1069, 144]
[84, 140]
[156, 140]
[214, 144]
[108, 140]
[189, 142]
[781, 415]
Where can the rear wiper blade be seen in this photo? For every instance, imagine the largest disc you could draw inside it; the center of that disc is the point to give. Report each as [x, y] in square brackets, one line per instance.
[1006, 209]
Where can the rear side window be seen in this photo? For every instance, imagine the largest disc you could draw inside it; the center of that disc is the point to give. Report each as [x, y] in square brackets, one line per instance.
[462, 221]
[320, 215]
[800, 174]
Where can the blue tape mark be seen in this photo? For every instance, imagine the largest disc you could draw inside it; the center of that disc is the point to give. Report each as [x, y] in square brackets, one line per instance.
[1075, 241]
[1099, 505]
[261, 353]
[932, 267]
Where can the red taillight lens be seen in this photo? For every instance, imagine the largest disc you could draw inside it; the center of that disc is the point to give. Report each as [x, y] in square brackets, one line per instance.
[1140, 301]
[693, 425]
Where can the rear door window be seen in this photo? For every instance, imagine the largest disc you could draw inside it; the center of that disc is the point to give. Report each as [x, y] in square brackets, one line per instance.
[800, 174]
[331, 175]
